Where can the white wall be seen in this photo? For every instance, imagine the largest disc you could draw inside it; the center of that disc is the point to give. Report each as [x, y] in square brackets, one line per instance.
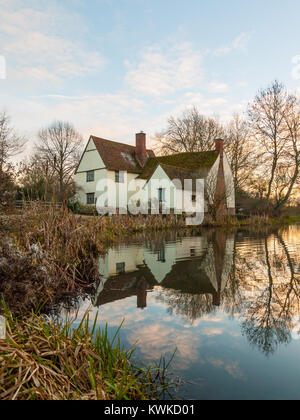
[91, 160]
[211, 181]
[159, 180]
[132, 256]
[84, 187]
[229, 182]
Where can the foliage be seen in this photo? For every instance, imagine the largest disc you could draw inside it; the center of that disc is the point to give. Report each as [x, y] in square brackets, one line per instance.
[46, 360]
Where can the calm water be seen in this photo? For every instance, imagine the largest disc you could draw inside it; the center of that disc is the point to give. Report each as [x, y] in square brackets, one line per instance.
[229, 303]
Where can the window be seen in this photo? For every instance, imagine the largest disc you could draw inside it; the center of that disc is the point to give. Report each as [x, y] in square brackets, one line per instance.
[194, 198]
[119, 177]
[161, 195]
[162, 255]
[120, 268]
[90, 176]
[90, 198]
[193, 252]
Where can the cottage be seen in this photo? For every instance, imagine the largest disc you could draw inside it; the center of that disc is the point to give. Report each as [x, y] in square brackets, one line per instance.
[117, 175]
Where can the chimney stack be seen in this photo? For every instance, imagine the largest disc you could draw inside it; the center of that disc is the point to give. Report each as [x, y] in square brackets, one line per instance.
[141, 151]
[219, 145]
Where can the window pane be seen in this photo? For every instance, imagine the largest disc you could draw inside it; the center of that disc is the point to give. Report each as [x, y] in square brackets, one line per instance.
[90, 198]
[161, 195]
[119, 177]
[162, 255]
[120, 268]
[90, 176]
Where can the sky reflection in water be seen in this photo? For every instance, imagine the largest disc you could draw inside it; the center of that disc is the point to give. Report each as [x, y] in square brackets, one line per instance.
[229, 303]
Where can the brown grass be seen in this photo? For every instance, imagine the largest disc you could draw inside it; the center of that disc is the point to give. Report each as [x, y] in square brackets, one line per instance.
[53, 254]
[44, 360]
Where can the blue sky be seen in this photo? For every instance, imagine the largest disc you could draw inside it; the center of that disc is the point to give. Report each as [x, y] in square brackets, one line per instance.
[115, 67]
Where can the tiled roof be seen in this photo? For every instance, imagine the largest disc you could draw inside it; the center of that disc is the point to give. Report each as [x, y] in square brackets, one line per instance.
[119, 156]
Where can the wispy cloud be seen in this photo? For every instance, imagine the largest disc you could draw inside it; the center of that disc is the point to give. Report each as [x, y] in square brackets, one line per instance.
[232, 368]
[166, 71]
[240, 43]
[217, 87]
[31, 39]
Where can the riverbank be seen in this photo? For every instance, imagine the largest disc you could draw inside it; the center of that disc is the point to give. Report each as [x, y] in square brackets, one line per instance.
[44, 360]
[51, 257]
[53, 254]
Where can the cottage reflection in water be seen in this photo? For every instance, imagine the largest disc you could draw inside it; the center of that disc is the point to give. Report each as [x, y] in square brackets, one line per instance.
[196, 265]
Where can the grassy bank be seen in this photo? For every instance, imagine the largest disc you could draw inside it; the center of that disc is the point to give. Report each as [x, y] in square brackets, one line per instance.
[54, 254]
[44, 360]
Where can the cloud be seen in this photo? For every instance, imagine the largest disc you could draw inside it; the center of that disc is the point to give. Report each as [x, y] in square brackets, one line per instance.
[162, 72]
[209, 106]
[217, 87]
[156, 339]
[212, 332]
[38, 49]
[232, 368]
[240, 43]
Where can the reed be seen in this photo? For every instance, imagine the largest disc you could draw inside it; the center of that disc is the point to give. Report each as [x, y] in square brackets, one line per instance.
[52, 253]
[41, 359]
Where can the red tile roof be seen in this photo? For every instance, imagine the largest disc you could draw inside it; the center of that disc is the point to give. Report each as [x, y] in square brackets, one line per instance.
[119, 156]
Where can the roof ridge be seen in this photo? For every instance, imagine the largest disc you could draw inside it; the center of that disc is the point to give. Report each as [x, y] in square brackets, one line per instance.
[188, 153]
[116, 142]
[113, 141]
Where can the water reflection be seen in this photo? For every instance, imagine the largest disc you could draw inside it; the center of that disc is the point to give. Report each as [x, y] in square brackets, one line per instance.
[253, 278]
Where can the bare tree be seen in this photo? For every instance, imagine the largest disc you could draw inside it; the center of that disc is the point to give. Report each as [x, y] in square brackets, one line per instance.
[267, 114]
[289, 171]
[239, 149]
[37, 179]
[7, 188]
[192, 132]
[11, 144]
[59, 146]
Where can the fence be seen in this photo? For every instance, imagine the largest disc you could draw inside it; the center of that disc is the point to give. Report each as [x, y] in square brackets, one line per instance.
[20, 204]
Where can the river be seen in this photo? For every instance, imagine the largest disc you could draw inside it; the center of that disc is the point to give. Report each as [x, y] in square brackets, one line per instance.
[228, 302]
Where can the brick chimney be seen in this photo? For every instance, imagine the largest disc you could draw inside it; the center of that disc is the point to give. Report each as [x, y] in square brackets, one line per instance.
[219, 145]
[141, 151]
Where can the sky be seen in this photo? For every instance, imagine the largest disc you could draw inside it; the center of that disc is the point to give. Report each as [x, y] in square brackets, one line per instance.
[116, 67]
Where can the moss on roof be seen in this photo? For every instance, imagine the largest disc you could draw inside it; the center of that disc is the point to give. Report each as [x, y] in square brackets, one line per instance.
[182, 162]
[191, 161]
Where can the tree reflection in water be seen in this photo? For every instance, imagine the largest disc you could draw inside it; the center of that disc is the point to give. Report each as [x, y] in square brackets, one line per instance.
[262, 289]
[252, 277]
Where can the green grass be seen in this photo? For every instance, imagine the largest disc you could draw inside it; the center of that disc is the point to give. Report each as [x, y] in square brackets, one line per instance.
[46, 360]
[292, 220]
